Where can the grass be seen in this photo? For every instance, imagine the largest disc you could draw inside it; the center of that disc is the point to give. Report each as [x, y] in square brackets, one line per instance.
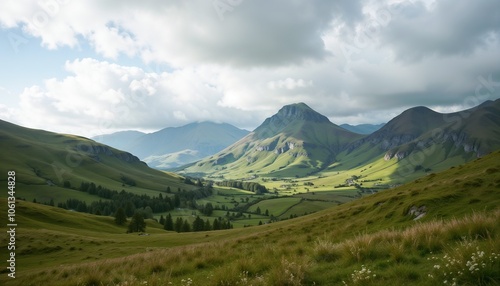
[277, 206]
[42, 159]
[374, 235]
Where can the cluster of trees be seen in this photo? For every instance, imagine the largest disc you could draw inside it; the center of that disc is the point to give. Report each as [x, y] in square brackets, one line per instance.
[127, 180]
[249, 186]
[137, 223]
[183, 225]
[131, 202]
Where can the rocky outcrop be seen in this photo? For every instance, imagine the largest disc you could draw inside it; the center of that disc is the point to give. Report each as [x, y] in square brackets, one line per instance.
[96, 150]
[417, 212]
[277, 150]
[399, 155]
[460, 140]
[286, 147]
[262, 148]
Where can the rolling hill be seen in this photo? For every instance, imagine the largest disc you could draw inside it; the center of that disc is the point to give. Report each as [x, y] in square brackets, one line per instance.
[50, 166]
[175, 146]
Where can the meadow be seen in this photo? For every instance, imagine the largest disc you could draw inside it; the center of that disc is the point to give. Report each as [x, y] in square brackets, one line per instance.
[373, 240]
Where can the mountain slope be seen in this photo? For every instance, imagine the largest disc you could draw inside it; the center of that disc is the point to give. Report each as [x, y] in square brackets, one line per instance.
[175, 146]
[423, 127]
[45, 162]
[295, 141]
[422, 140]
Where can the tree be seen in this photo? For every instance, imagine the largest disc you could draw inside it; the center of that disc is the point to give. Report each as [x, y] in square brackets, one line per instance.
[198, 224]
[162, 220]
[177, 200]
[148, 212]
[186, 227]
[129, 209]
[67, 184]
[258, 211]
[178, 224]
[216, 224]
[207, 225]
[169, 224]
[208, 210]
[137, 223]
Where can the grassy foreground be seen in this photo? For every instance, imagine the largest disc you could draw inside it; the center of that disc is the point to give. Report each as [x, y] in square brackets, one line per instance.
[371, 241]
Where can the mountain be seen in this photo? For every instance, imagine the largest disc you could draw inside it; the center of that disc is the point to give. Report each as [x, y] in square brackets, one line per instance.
[119, 140]
[362, 128]
[475, 130]
[175, 146]
[50, 166]
[422, 140]
[296, 140]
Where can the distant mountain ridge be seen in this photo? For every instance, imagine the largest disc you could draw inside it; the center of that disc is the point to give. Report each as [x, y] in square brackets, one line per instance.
[120, 140]
[174, 146]
[298, 141]
[362, 128]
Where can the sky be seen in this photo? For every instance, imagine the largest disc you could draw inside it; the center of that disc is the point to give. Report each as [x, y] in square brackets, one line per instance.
[91, 67]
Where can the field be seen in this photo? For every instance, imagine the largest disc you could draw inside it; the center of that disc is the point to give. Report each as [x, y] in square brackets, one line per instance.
[370, 241]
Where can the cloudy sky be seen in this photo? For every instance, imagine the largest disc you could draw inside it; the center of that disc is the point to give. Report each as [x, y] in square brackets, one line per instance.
[91, 67]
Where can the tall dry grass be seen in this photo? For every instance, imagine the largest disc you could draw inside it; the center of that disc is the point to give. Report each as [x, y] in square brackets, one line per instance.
[428, 237]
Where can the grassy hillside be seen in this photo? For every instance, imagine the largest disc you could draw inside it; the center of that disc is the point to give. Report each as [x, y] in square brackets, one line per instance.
[371, 241]
[45, 162]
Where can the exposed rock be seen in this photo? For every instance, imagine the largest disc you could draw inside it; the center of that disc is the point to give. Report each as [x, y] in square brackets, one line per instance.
[94, 150]
[262, 148]
[417, 213]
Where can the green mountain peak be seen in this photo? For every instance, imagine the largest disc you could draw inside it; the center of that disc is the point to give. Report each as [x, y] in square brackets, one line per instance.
[288, 119]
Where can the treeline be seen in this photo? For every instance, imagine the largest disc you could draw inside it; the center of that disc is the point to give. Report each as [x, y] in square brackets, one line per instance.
[183, 225]
[248, 186]
[131, 202]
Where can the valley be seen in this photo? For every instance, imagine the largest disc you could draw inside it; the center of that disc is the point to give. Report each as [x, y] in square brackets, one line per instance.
[312, 194]
[377, 232]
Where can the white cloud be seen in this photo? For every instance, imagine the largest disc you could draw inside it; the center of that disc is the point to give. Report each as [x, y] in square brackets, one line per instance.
[347, 59]
[99, 96]
[289, 83]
